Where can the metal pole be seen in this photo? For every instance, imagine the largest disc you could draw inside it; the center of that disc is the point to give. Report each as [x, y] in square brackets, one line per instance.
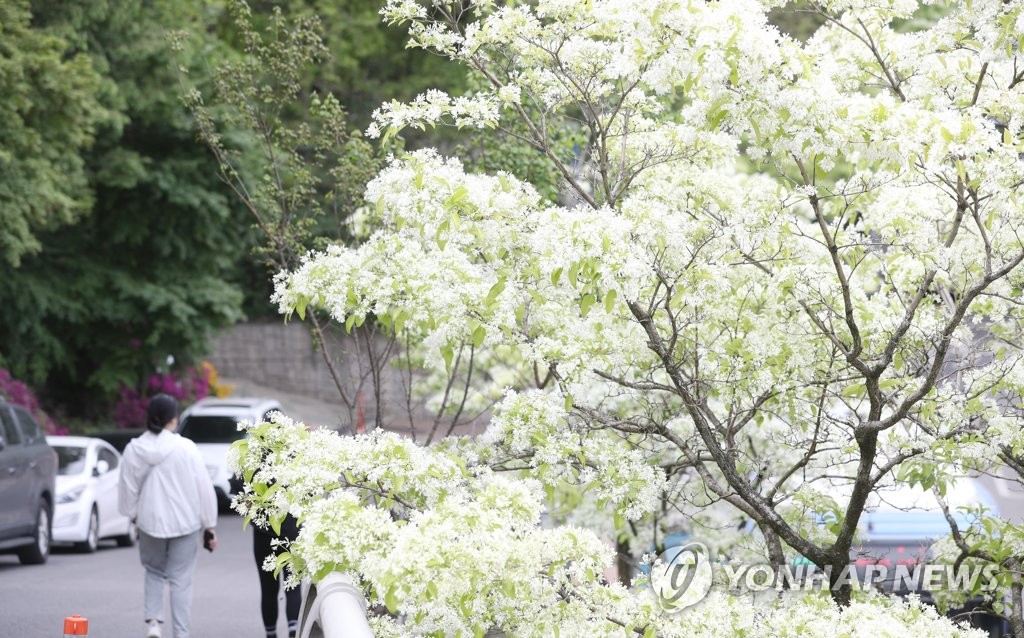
[334, 608]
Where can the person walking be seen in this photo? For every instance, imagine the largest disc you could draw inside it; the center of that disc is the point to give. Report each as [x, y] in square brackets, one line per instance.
[166, 490]
[264, 544]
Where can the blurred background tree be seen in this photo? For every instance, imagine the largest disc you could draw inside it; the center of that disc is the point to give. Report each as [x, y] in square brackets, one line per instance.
[49, 111]
[119, 243]
[151, 266]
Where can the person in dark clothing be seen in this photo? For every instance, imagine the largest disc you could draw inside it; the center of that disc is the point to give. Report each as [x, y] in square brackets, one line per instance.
[270, 585]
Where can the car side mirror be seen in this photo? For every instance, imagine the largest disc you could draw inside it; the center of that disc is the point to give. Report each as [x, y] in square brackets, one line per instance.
[102, 467]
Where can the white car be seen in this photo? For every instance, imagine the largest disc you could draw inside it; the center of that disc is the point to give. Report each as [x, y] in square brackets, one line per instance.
[88, 470]
[213, 425]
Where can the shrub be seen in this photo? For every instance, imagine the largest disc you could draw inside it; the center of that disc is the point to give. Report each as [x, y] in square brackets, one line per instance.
[187, 386]
[18, 393]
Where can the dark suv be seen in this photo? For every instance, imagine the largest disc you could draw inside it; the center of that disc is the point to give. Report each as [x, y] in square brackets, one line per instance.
[28, 467]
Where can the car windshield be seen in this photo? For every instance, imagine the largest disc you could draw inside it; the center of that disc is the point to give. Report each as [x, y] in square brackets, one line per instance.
[70, 460]
[211, 429]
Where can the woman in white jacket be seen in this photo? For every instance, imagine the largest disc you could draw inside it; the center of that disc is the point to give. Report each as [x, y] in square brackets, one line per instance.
[166, 490]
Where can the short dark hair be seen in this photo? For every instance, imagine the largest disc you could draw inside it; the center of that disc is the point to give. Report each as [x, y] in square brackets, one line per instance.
[159, 412]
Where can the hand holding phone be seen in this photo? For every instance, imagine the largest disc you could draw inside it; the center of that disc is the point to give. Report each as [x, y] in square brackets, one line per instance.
[209, 539]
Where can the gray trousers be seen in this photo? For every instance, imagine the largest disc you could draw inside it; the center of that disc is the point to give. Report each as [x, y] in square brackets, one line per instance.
[169, 561]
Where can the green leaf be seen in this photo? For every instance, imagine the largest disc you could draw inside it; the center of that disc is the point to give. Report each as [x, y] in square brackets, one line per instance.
[609, 301]
[586, 303]
[495, 290]
[460, 195]
[441, 229]
[855, 390]
[715, 118]
[280, 561]
[478, 336]
[465, 606]
[447, 353]
[323, 571]
[391, 600]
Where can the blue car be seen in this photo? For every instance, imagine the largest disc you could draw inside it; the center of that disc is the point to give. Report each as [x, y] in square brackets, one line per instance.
[899, 529]
[901, 524]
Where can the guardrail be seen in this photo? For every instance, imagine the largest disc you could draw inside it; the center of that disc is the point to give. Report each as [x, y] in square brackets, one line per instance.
[333, 608]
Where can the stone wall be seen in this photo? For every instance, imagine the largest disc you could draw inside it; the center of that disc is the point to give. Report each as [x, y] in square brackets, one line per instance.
[285, 358]
[276, 355]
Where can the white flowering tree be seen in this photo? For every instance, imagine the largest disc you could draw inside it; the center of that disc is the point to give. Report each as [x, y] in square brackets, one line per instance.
[785, 276]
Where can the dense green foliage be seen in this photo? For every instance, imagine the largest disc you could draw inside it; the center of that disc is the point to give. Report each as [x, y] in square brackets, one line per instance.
[151, 269]
[48, 113]
[294, 163]
[369, 62]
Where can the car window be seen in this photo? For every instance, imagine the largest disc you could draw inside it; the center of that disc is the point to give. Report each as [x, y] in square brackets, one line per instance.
[211, 429]
[29, 427]
[70, 459]
[109, 457]
[11, 434]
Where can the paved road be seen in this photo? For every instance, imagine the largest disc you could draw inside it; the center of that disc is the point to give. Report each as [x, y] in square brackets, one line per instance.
[106, 588]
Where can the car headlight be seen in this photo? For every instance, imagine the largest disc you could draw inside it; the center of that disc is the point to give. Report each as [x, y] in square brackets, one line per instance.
[71, 495]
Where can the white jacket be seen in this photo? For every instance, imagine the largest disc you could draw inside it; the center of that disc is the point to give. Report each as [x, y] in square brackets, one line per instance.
[165, 487]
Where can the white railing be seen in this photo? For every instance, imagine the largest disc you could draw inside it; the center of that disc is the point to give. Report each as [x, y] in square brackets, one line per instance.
[333, 608]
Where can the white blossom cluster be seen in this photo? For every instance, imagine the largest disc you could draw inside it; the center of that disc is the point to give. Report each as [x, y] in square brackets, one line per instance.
[776, 246]
[536, 426]
[475, 556]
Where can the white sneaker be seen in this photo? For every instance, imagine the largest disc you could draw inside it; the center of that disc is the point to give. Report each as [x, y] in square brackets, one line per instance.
[153, 629]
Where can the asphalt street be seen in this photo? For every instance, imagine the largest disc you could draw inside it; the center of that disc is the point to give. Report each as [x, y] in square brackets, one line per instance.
[106, 588]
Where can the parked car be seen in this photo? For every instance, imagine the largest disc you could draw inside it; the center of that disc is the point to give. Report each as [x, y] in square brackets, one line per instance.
[119, 438]
[28, 469]
[900, 525]
[213, 425]
[86, 511]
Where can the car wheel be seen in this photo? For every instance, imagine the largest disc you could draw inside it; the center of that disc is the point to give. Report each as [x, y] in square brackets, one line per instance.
[92, 537]
[39, 550]
[128, 539]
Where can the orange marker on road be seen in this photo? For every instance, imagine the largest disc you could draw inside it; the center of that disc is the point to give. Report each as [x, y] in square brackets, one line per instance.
[76, 626]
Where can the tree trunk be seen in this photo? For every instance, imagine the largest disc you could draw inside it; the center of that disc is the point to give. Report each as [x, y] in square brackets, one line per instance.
[624, 562]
